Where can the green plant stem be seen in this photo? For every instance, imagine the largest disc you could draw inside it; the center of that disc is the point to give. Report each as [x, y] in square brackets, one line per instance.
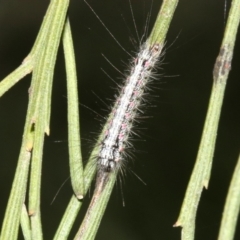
[202, 169]
[93, 217]
[24, 69]
[43, 76]
[68, 219]
[74, 205]
[17, 196]
[25, 224]
[35, 125]
[162, 23]
[231, 209]
[27, 65]
[44, 31]
[75, 155]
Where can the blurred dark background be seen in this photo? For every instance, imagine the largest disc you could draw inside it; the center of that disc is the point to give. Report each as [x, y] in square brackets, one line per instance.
[165, 150]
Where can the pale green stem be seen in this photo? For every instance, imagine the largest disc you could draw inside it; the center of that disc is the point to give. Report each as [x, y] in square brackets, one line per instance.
[92, 220]
[17, 196]
[44, 31]
[74, 205]
[43, 76]
[202, 169]
[16, 199]
[9, 81]
[36, 226]
[25, 223]
[68, 219]
[162, 23]
[231, 209]
[27, 65]
[75, 155]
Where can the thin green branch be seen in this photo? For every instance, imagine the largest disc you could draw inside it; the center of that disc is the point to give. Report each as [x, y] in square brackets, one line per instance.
[20, 72]
[44, 52]
[92, 220]
[25, 224]
[231, 208]
[74, 205]
[162, 23]
[27, 65]
[36, 226]
[74, 143]
[68, 219]
[12, 216]
[44, 31]
[43, 75]
[202, 169]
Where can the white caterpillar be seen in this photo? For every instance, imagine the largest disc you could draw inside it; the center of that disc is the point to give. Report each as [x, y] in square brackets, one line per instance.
[110, 157]
[111, 152]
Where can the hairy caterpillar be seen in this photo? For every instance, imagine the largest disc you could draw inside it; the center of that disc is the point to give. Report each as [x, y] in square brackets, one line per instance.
[111, 152]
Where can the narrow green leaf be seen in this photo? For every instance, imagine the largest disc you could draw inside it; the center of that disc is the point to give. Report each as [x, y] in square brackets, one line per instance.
[202, 169]
[231, 208]
[27, 65]
[68, 219]
[74, 205]
[9, 81]
[162, 23]
[75, 155]
[25, 223]
[93, 217]
[43, 75]
[13, 212]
